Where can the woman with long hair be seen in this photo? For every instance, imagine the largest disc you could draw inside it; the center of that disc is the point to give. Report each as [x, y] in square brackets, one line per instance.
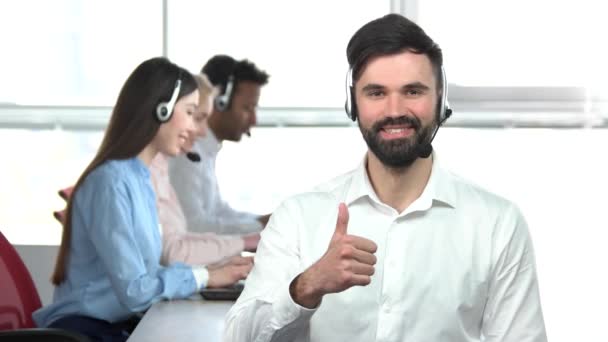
[108, 268]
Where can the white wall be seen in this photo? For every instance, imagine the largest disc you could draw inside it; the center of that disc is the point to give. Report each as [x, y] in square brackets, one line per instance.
[40, 261]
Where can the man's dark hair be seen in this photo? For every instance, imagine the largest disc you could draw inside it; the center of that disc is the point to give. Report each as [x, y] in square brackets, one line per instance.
[220, 67]
[389, 35]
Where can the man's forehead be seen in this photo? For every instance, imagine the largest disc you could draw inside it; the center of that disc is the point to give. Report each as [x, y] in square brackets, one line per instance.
[401, 68]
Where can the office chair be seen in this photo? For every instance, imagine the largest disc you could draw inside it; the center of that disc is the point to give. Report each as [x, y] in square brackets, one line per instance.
[19, 299]
[18, 294]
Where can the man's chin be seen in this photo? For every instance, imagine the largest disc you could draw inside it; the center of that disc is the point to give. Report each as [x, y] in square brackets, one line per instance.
[237, 137]
[397, 162]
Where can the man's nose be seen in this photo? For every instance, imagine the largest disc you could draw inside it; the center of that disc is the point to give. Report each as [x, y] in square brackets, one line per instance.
[394, 105]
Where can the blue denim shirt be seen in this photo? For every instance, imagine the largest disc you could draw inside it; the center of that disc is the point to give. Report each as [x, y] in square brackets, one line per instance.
[114, 266]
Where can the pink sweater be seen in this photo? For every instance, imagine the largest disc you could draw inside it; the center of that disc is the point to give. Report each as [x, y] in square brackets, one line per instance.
[178, 243]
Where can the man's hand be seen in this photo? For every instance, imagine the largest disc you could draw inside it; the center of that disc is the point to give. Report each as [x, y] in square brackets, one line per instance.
[226, 275]
[349, 261]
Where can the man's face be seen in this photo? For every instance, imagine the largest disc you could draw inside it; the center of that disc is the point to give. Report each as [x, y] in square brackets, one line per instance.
[396, 99]
[241, 115]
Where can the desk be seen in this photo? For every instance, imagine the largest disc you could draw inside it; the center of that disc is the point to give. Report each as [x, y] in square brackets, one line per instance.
[183, 320]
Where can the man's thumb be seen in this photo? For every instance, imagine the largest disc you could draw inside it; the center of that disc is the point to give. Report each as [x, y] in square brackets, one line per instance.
[342, 223]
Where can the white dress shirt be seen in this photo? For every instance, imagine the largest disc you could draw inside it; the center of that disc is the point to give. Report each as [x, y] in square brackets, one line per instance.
[456, 265]
[199, 194]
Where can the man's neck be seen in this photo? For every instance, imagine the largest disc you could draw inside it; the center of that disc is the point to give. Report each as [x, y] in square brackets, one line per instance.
[214, 126]
[399, 188]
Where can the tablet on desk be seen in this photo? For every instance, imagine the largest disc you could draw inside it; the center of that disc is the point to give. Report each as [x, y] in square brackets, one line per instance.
[225, 293]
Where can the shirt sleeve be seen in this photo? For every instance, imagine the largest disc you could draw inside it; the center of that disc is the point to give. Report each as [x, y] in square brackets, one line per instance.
[199, 195]
[513, 311]
[265, 310]
[201, 275]
[232, 221]
[199, 248]
[137, 280]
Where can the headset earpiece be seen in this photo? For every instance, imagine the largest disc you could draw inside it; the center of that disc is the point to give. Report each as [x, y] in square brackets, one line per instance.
[444, 107]
[350, 106]
[222, 102]
[164, 110]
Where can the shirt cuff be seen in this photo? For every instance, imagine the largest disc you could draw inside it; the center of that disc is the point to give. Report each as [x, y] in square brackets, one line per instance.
[290, 312]
[201, 276]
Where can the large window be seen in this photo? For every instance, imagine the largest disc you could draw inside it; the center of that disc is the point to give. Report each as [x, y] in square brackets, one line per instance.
[522, 55]
[302, 44]
[520, 62]
[519, 42]
[74, 52]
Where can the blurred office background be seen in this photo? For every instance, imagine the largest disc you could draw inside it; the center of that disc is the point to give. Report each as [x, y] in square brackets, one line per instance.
[527, 85]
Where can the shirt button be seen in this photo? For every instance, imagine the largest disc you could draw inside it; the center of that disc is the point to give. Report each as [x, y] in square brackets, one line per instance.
[386, 308]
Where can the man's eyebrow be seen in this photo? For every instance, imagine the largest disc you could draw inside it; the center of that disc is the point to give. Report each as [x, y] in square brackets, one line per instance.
[415, 85]
[372, 86]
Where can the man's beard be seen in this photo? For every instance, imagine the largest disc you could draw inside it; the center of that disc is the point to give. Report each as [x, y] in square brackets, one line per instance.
[397, 153]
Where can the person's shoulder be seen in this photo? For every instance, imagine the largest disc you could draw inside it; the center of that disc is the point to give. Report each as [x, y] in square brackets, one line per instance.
[108, 170]
[323, 195]
[112, 174]
[469, 192]
[336, 185]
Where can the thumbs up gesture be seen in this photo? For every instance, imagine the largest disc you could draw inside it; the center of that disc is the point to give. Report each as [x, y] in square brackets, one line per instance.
[349, 261]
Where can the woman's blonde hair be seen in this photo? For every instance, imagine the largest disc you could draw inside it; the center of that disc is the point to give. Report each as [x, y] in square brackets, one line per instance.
[205, 88]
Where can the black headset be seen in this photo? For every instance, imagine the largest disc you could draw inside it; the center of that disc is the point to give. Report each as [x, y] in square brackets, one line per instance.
[164, 110]
[351, 106]
[222, 102]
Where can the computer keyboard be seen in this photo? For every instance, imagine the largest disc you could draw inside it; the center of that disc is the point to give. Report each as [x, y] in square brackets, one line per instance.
[226, 293]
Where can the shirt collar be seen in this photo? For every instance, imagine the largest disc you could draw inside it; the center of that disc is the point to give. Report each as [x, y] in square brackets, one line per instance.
[160, 162]
[439, 187]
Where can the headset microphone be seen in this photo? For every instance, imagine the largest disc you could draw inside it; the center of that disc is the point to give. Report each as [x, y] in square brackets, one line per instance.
[424, 150]
[193, 157]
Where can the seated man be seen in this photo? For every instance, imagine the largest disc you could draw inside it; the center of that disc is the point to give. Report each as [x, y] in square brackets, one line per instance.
[234, 115]
[399, 249]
